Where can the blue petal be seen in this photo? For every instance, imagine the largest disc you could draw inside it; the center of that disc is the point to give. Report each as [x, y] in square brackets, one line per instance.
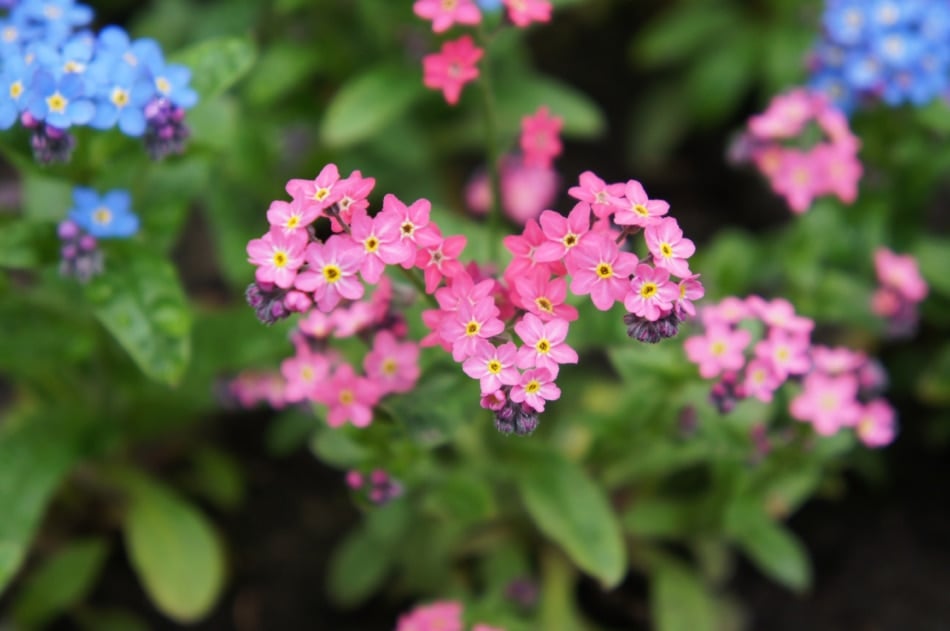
[85, 198]
[106, 115]
[132, 122]
[80, 112]
[8, 114]
[117, 201]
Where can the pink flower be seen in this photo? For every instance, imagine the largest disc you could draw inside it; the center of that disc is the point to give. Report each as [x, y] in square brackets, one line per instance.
[544, 296]
[536, 387]
[485, 627]
[462, 289]
[601, 270]
[302, 372]
[786, 353]
[604, 199]
[332, 272]
[445, 13]
[524, 247]
[291, 216]
[900, 273]
[493, 367]
[760, 380]
[441, 261]
[525, 190]
[798, 180]
[785, 117]
[876, 425]
[640, 210]
[278, 255]
[321, 192]
[544, 344]
[470, 328]
[780, 313]
[690, 289]
[827, 402]
[354, 195]
[719, 350]
[349, 397]
[668, 247]
[451, 68]
[842, 170]
[730, 310]
[444, 615]
[838, 360]
[539, 136]
[652, 294]
[381, 241]
[393, 366]
[524, 12]
[414, 225]
[562, 233]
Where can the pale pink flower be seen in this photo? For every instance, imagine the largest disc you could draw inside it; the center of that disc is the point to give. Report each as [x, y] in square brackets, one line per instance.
[278, 255]
[393, 365]
[381, 241]
[876, 425]
[669, 249]
[786, 353]
[348, 396]
[785, 116]
[544, 344]
[719, 349]
[441, 261]
[493, 367]
[600, 269]
[651, 294]
[525, 190]
[563, 233]
[332, 272]
[319, 193]
[462, 289]
[524, 12]
[837, 360]
[798, 180]
[841, 168]
[444, 615]
[470, 328]
[544, 296]
[302, 372]
[780, 313]
[451, 68]
[445, 13]
[690, 289]
[316, 324]
[291, 216]
[539, 137]
[730, 310]
[761, 381]
[900, 272]
[827, 402]
[536, 387]
[604, 199]
[639, 209]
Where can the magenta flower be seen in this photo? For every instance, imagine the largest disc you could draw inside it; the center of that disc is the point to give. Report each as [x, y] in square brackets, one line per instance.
[604, 199]
[719, 350]
[439, 616]
[786, 353]
[540, 141]
[900, 273]
[470, 328]
[278, 255]
[544, 344]
[302, 372]
[827, 402]
[441, 261]
[639, 210]
[668, 247]
[536, 387]
[462, 289]
[445, 13]
[348, 396]
[451, 68]
[493, 367]
[332, 272]
[652, 294]
[381, 241]
[321, 192]
[876, 425]
[600, 269]
[524, 12]
[563, 233]
[291, 216]
[393, 366]
[543, 296]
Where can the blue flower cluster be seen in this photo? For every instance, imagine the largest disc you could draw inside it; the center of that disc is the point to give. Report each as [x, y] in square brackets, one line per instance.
[55, 74]
[93, 217]
[897, 51]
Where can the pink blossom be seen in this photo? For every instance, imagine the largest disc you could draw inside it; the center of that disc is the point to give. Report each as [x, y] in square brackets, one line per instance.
[730, 310]
[876, 425]
[493, 400]
[786, 353]
[394, 366]
[451, 68]
[316, 324]
[562, 233]
[536, 387]
[601, 270]
[900, 272]
[827, 402]
[470, 328]
[780, 313]
[524, 12]
[443, 615]
[414, 224]
[441, 261]
[433, 319]
[652, 294]
[493, 367]
[353, 319]
[841, 168]
[319, 193]
[838, 360]
[539, 137]
[761, 381]
[445, 13]
[354, 479]
[785, 117]
[291, 216]
[462, 289]
[719, 350]
[348, 396]
[544, 296]
[690, 289]
[354, 195]
[381, 241]
[639, 210]
[544, 344]
[604, 199]
[669, 249]
[278, 255]
[524, 247]
[332, 272]
[302, 372]
[525, 190]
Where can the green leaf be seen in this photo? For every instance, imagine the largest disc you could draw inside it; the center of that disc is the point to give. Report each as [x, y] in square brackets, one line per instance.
[283, 67]
[109, 620]
[679, 34]
[141, 302]
[521, 96]
[366, 104]
[20, 243]
[45, 198]
[337, 446]
[173, 549]
[461, 498]
[933, 256]
[218, 476]
[217, 64]
[679, 601]
[660, 517]
[933, 385]
[573, 511]
[774, 549]
[61, 582]
[35, 455]
[434, 410]
[719, 79]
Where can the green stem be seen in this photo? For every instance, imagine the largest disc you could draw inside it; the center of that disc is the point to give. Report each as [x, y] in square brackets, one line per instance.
[557, 592]
[420, 285]
[495, 218]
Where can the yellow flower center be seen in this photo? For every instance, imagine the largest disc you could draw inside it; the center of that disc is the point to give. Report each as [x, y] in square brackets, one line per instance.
[570, 239]
[389, 366]
[647, 290]
[544, 304]
[16, 89]
[102, 216]
[666, 250]
[717, 348]
[280, 258]
[57, 102]
[332, 273]
[120, 97]
[372, 244]
[782, 354]
[321, 194]
[293, 221]
[130, 59]
[828, 402]
[306, 373]
[533, 386]
[641, 210]
[163, 85]
[10, 34]
[472, 328]
[604, 270]
[494, 366]
[543, 346]
[73, 67]
[346, 397]
[682, 291]
[449, 5]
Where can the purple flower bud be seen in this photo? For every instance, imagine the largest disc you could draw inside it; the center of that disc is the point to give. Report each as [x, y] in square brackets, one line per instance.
[87, 242]
[297, 301]
[69, 252]
[51, 145]
[68, 229]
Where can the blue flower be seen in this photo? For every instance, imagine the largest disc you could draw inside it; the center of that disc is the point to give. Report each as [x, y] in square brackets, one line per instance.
[58, 18]
[14, 89]
[121, 100]
[171, 80]
[60, 102]
[106, 216]
[846, 21]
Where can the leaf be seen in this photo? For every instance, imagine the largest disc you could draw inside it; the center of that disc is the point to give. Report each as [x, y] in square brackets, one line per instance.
[933, 256]
[719, 79]
[35, 455]
[173, 549]
[679, 34]
[461, 498]
[521, 96]
[61, 582]
[141, 302]
[337, 446]
[45, 198]
[660, 517]
[283, 67]
[366, 104]
[217, 64]
[218, 476]
[434, 410]
[770, 546]
[20, 242]
[573, 511]
[679, 600]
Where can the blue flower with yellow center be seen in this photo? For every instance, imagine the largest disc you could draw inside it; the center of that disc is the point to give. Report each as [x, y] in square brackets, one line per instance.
[106, 216]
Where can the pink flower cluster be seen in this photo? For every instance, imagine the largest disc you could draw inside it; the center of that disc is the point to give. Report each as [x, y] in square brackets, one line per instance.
[839, 386]
[804, 146]
[901, 290]
[378, 486]
[445, 615]
[455, 64]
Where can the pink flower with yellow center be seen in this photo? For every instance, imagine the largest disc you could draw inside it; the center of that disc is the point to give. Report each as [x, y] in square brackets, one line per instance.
[332, 272]
[446, 13]
[640, 210]
[600, 269]
[493, 367]
[651, 294]
[669, 249]
[563, 234]
[470, 328]
[524, 12]
[278, 255]
[348, 396]
[394, 366]
[544, 345]
[291, 216]
[719, 350]
[535, 388]
[828, 403]
[321, 192]
[452, 67]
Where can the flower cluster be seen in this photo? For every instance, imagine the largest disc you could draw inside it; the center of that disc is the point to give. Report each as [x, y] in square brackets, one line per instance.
[456, 63]
[54, 77]
[93, 217]
[445, 615]
[378, 486]
[897, 51]
[840, 387]
[901, 290]
[804, 146]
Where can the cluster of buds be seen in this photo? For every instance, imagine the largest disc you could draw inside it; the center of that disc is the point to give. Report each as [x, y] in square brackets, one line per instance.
[378, 486]
[804, 146]
[445, 615]
[900, 292]
[840, 387]
[80, 256]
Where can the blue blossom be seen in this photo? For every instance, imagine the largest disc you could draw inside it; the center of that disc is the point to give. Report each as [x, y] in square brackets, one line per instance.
[58, 18]
[121, 100]
[171, 80]
[15, 82]
[489, 5]
[106, 216]
[59, 102]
